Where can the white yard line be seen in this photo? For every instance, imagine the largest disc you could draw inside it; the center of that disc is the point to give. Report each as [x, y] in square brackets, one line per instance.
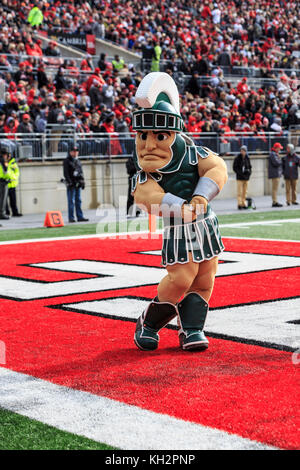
[261, 239]
[144, 232]
[262, 222]
[109, 421]
[79, 237]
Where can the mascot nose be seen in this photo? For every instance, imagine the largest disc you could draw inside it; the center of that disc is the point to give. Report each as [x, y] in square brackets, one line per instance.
[150, 141]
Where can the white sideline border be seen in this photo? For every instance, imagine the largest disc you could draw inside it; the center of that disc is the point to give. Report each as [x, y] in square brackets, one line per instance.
[129, 234]
[79, 237]
[160, 231]
[109, 421]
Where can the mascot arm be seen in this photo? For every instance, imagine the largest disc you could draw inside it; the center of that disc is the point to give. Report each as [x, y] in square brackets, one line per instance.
[214, 168]
[149, 195]
[213, 173]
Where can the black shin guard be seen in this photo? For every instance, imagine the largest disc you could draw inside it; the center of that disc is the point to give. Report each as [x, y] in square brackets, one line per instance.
[154, 318]
[192, 315]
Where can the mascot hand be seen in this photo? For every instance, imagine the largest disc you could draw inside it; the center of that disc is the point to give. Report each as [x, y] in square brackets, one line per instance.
[199, 204]
[188, 214]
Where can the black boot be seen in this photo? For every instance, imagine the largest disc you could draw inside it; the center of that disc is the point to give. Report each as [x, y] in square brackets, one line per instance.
[154, 318]
[192, 314]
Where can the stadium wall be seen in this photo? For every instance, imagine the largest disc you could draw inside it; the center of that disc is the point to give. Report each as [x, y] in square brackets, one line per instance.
[66, 51]
[41, 188]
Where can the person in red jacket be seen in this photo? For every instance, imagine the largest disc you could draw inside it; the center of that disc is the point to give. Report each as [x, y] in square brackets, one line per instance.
[86, 65]
[33, 49]
[206, 11]
[191, 126]
[12, 90]
[96, 75]
[224, 126]
[242, 86]
[109, 128]
[10, 128]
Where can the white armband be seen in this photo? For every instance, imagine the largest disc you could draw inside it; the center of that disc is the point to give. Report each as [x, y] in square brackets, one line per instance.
[171, 204]
[207, 188]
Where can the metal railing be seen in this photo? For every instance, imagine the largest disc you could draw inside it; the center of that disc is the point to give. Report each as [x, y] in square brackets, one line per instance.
[55, 62]
[52, 65]
[253, 83]
[49, 61]
[238, 71]
[57, 142]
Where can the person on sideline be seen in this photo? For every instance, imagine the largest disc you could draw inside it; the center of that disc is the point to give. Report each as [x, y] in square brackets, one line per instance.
[275, 171]
[243, 168]
[131, 209]
[5, 178]
[14, 171]
[74, 177]
[290, 164]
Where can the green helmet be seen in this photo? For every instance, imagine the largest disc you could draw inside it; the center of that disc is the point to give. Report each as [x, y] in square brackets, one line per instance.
[158, 96]
[162, 116]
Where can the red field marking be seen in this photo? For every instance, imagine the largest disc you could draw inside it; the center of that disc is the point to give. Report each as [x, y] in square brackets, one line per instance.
[247, 390]
[233, 290]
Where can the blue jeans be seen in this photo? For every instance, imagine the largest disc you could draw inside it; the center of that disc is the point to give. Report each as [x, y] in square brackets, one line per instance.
[74, 199]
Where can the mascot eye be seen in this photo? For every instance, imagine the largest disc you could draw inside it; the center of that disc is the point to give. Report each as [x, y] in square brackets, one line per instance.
[162, 137]
[143, 136]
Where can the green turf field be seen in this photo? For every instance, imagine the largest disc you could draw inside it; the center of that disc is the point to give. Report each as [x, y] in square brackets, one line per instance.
[276, 225]
[20, 433]
[282, 230]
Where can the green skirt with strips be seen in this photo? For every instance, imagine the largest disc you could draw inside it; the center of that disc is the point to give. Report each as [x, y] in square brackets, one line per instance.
[200, 238]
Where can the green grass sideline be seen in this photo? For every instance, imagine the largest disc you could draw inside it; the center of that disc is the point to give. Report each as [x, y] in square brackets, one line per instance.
[287, 232]
[21, 433]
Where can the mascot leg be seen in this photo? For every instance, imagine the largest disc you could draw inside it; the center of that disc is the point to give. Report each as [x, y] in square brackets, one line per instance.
[163, 308]
[154, 318]
[192, 314]
[194, 307]
[178, 281]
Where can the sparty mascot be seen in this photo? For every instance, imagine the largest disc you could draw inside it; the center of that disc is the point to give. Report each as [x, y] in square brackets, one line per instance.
[176, 180]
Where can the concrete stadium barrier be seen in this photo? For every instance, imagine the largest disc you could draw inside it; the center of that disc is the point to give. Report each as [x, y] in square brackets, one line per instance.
[41, 189]
[66, 51]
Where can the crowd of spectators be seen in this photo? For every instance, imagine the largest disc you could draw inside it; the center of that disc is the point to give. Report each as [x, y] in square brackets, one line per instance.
[230, 33]
[204, 40]
[40, 89]
[264, 35]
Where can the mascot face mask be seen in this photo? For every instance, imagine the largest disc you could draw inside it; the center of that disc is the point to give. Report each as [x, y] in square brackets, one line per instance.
[154, 149]
[159, 144]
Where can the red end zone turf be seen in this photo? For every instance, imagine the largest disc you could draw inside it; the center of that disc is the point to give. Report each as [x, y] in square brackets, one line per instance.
[244, 389]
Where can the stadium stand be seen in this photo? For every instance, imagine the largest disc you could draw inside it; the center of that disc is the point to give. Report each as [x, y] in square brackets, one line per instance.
[237, 73]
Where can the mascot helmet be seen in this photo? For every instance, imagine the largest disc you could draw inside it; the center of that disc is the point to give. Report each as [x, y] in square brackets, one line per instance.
[158, 97]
